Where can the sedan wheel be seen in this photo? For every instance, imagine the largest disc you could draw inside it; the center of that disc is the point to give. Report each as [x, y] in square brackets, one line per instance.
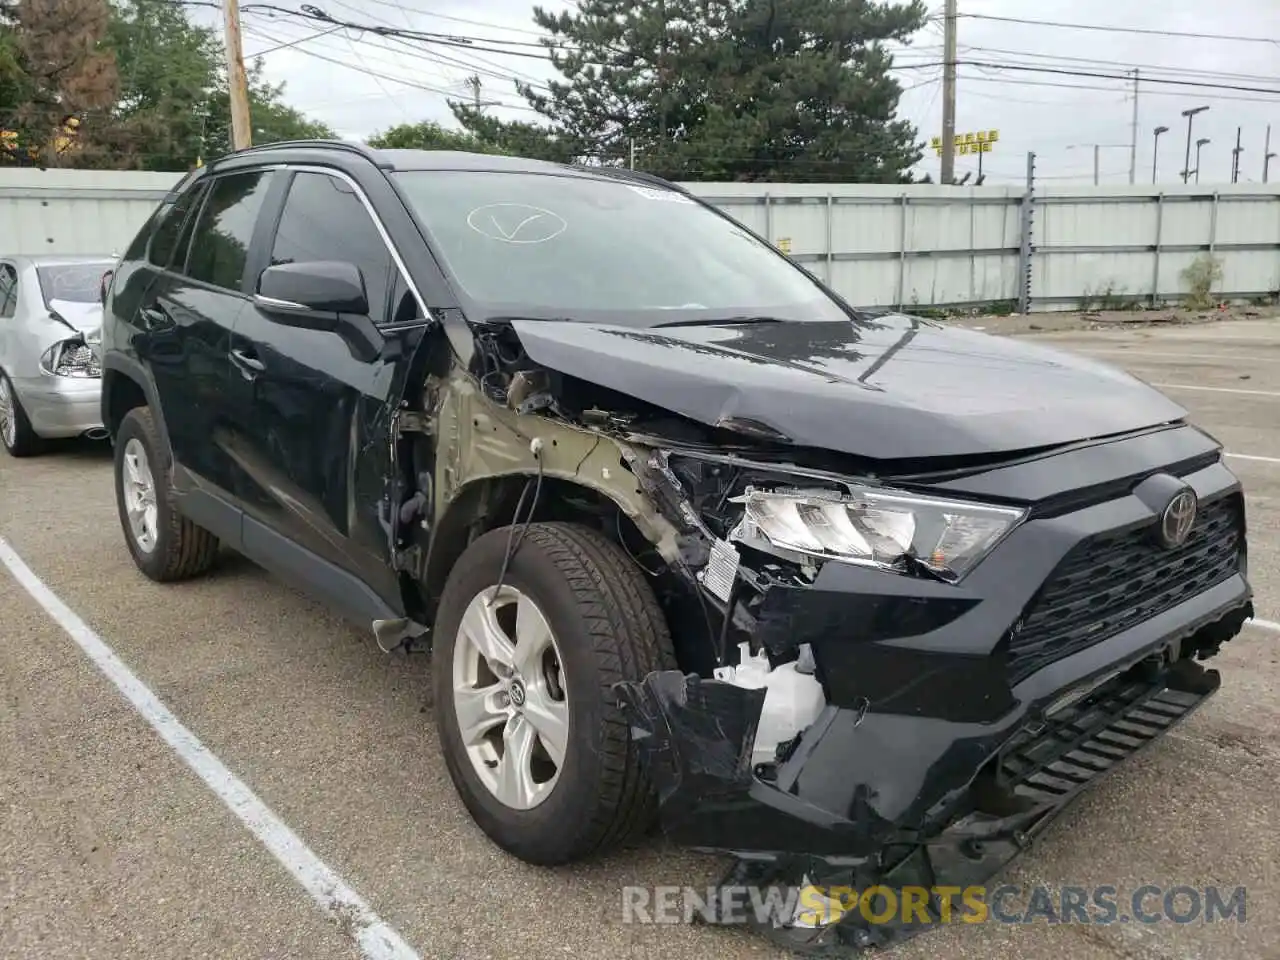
[509, 697]
[8, 428]
[16, 434]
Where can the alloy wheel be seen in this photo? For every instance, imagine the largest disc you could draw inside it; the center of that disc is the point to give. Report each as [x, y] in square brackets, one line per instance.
[510, 697]
[140, 496]
[8, 415]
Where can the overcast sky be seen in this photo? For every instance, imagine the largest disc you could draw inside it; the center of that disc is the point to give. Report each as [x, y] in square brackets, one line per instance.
[1060, 116]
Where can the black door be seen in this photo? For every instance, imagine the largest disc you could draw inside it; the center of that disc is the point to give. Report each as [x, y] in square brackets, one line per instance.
[186, 317]
[312, 434]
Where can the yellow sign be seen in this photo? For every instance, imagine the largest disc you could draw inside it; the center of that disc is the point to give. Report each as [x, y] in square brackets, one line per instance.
[980, 142]
[784, 244]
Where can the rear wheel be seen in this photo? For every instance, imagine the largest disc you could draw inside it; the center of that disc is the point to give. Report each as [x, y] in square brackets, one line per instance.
[530, 727]
[165, 545]
[15, 429]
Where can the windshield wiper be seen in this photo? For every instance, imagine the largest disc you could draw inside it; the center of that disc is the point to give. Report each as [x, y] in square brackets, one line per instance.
[720, 321]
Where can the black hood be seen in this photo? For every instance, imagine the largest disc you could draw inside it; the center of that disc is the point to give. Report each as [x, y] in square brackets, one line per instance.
[891, 387]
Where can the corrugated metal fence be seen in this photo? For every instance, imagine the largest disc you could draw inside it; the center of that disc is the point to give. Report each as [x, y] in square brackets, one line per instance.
[879, 245]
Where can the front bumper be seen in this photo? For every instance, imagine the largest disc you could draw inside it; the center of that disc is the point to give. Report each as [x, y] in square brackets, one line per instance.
[62, 406]
[941, 752]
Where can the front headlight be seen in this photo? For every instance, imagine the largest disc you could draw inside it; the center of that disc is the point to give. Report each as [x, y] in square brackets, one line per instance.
[71, 358]
[876, 528]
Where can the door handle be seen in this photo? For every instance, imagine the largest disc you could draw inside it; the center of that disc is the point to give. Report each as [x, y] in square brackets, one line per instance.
[248, 362]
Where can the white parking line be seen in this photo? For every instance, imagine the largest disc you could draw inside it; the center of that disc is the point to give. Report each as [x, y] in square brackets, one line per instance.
[1245, 456]
[375, 940]
[1187, 386]
[1266, 624]
[1137, 354]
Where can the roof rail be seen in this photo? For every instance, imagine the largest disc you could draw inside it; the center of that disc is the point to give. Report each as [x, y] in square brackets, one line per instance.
[360, 148]
[626, 173]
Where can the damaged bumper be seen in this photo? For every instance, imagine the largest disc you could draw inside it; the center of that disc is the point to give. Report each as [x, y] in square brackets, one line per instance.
[941, 754]
[969, 798]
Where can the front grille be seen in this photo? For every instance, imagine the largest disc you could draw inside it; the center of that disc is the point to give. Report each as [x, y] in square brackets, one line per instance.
[1112, 582]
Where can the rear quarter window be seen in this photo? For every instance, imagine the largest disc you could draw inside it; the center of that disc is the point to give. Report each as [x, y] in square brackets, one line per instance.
[168, 223]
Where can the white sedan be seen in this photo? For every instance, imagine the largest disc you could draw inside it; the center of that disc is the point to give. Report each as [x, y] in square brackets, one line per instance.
[50, 322]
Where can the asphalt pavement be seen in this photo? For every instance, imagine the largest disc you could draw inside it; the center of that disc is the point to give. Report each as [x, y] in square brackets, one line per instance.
[113, 846]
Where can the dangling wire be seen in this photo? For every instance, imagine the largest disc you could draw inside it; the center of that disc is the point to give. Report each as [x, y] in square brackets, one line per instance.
[536, 484]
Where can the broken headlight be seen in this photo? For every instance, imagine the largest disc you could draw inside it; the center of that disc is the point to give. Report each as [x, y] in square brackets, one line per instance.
[71, 358]
[875, 528]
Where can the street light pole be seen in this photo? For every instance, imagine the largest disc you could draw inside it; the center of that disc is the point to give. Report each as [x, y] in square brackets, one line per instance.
[1199, 144]
[1155, 150]
[1186, 163]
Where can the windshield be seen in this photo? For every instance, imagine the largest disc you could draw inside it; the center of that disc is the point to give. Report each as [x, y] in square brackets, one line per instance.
[72, 282]
[603, 250]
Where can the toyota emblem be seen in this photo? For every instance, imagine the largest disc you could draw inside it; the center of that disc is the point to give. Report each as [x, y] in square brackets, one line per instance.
[1178, 518]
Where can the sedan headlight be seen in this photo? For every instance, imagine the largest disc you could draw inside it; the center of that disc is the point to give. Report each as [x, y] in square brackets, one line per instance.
[71, 358]
[875, 528]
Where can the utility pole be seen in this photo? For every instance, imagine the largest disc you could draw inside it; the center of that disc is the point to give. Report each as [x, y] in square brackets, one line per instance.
[1235, 158]
[1267, 155]
[948, 172]
[474, 83]
[1133, 136]
[237, 80]
[1097, 149]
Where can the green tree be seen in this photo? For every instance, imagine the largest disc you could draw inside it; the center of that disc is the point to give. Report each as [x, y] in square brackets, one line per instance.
[158, 98]
[428, 135]
[725, 89]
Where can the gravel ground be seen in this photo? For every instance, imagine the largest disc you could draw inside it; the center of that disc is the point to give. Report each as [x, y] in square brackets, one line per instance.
[112, 848]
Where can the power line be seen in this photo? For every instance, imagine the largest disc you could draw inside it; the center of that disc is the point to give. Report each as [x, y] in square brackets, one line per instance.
[1144, 67]
[1016, 82]
[1097, 75]
[358, 69]
[1110, 29]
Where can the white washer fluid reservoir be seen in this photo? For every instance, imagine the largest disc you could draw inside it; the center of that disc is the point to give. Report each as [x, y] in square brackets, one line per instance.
[792, 699]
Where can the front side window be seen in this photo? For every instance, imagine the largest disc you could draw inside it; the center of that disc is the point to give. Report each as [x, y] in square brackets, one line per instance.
[220, 242]
[596, 248]
[8, 290]
[323, 219]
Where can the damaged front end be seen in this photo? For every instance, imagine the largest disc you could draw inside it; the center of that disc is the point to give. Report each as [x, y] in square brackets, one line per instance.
[911, 717]
[893, 681]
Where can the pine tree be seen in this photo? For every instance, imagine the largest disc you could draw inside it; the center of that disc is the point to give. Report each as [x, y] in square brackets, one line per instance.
[726, 89]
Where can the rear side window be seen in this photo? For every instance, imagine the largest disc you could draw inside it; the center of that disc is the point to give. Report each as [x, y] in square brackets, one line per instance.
[220, 243]
[165, 239]
[8, 290]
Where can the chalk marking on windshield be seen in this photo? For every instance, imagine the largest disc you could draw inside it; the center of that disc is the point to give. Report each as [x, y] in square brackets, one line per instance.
[503, 235]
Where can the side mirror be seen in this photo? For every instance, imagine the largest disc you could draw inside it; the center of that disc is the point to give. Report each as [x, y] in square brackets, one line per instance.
[105, 286]
[313, 294]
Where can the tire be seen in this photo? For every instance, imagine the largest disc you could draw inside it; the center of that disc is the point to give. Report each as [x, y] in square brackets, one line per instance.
[177, 549]
[607, 627]
[18, 439]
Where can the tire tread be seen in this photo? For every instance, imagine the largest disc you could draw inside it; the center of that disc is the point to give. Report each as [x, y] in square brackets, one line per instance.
[188, 550]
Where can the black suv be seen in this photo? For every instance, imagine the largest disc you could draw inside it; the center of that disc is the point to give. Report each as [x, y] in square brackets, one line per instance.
[857, 598]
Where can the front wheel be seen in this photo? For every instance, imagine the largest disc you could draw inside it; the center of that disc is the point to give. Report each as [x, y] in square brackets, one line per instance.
[530, 727]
